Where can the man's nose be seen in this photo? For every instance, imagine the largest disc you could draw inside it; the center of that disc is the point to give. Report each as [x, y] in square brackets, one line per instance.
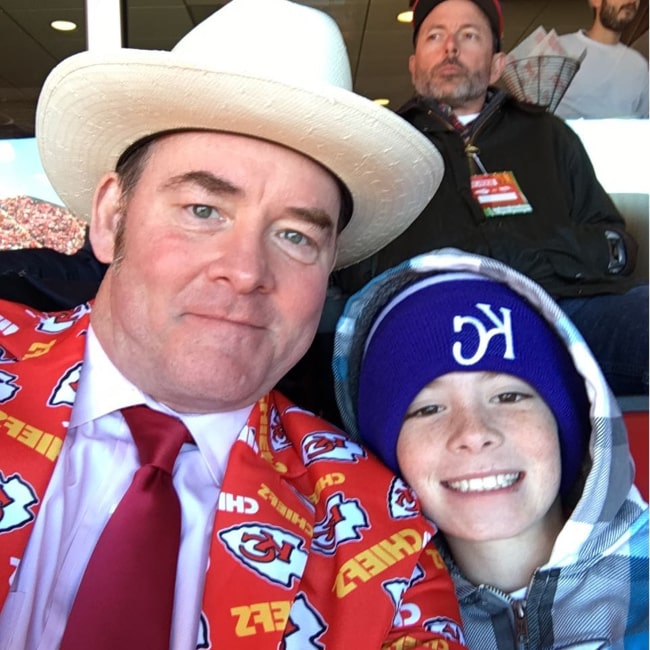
[242, 258]
[451, 45]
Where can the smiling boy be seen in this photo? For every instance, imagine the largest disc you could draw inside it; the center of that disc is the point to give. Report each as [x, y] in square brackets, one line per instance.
[468, 381]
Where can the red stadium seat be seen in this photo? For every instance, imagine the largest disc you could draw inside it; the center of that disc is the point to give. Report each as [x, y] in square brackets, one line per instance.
[635, 414]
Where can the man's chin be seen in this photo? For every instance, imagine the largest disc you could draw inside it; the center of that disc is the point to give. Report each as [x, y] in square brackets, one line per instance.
[453, 101]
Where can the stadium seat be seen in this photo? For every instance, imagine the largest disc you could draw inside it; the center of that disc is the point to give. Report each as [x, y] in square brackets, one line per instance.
[635, 414]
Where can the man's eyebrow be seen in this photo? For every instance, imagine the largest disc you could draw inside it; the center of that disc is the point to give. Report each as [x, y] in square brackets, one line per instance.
[315, 216]
[473, 25]
[217, 185]
[206, 180]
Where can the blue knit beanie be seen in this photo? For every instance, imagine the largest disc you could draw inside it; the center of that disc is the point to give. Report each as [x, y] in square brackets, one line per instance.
[464, 322]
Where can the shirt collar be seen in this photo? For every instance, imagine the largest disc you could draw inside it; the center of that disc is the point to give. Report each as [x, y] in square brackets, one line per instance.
[104, 389]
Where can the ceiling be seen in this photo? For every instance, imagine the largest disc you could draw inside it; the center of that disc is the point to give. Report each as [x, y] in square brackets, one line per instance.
[378, 45]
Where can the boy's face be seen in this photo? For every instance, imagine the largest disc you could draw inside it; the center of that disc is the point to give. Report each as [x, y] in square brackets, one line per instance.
[481, 451]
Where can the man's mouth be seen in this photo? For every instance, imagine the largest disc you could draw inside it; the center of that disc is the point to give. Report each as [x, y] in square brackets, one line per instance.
[450, 69]
[226, 319]
[484, 483]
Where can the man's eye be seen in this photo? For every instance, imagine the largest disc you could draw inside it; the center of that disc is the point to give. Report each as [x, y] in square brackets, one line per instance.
[424, 411]
[295, 237]
[299, 246]
[203, 211]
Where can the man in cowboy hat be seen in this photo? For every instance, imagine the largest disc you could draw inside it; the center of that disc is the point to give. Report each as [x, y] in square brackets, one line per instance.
[223, 181]
[518, 187]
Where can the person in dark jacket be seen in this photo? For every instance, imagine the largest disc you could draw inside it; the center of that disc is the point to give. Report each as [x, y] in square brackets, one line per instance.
[518, 187]
[48, 279]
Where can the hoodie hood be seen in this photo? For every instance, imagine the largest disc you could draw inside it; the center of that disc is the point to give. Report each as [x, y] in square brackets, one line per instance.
[607, 482]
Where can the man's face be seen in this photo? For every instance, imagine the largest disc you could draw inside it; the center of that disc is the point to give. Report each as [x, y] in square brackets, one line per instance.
[227, 245]
[481, 451]
[617, 14]
[454, 60]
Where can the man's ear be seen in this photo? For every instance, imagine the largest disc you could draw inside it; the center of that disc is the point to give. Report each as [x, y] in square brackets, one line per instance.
[105, 217]
[412, 65]
[497, 66]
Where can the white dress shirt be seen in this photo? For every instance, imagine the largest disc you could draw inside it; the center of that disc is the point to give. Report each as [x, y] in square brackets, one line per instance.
[95, 467]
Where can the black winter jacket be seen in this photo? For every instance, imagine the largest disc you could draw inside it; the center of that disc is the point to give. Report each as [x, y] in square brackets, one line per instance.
[561, 244]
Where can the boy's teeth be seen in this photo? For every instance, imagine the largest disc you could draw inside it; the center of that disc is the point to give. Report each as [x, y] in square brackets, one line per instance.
[485, 483]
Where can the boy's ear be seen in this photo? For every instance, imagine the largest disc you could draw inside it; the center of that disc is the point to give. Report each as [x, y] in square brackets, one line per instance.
[105, 217]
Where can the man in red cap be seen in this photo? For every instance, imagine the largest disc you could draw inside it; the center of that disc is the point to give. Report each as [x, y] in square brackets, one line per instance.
[518, 187]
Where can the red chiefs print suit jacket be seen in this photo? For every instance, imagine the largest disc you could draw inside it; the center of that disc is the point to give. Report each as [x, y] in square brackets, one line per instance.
[315, 544]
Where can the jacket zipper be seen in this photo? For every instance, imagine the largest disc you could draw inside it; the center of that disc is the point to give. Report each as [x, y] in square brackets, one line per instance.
[518, 606]
[471, 150]
[521, 624]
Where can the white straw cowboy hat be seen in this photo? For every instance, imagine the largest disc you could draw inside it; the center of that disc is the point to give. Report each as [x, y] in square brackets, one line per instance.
[271, 69]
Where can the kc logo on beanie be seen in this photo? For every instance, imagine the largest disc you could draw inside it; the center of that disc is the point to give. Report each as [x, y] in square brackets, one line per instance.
[503, 328]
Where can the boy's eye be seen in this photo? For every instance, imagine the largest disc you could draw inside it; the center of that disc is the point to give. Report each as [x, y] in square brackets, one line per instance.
[510, 398]
[424, 411]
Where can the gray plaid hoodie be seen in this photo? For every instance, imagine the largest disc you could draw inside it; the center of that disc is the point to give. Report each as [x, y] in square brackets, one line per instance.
[592, 594]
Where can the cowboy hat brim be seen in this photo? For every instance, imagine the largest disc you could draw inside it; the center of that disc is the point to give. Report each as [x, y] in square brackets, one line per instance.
[93, 106]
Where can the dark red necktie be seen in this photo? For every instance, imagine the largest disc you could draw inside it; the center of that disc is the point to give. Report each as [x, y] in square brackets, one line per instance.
[126, 595]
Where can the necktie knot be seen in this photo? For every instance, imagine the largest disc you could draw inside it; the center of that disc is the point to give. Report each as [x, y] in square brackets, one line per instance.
[158, 436]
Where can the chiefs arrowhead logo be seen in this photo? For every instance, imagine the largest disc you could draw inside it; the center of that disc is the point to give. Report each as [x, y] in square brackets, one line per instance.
[274, 553]
[5, 356]
[405, 613]
[330, 445]
[401, 500]
[7, 387]
[203, 638]
[17, 497]
[304, 626]
[66, 389]
[61, 321]
[278, 437]
[344, 519]
[446, 627]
